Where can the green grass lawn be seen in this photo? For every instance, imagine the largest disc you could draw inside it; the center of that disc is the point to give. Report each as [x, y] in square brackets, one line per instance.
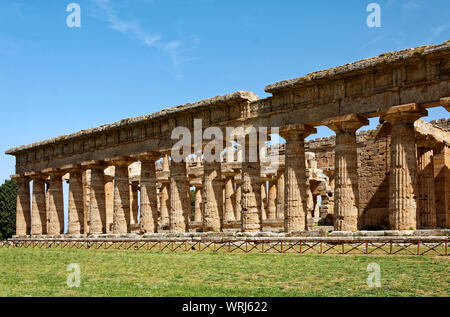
[42, 272]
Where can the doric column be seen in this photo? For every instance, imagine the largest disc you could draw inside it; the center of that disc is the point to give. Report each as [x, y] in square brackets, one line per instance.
[76, 205]
[38, 205]
[280, 194]
[427, 201]
[109, 202]
[295, 176]
[55, 217]
[198, 204]
[178, 216]
[272, 207]
[346, 192]
[122, 193]
[263, 200]
[134, 203]
[164, 201]
[149, 211]
[23, 211]
[212, 198]
[403, 170]
[97, 205]
[238, 197]
[441, 162]
[229, 194]
[251, 215]
[445, 102]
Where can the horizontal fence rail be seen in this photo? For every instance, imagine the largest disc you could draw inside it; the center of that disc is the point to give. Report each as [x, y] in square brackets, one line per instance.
[436, 246]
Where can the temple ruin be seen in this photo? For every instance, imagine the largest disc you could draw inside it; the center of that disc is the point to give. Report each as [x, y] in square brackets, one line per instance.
[122, 180]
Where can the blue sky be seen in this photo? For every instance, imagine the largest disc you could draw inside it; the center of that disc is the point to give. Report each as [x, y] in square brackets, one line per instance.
[135, 57]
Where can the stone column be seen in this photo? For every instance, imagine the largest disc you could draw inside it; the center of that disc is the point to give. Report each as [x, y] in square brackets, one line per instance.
[134, 203]
[403, 171]
[212, 198]
[109, 202]
[251, 215]
[149, 211]
[263, 200]
[229, 194]
[38, 206]
[441, 162]
[445, 102]
[238, 196]
[346, 193]
[280, 195]
[23, 211]
[295, 176]
[178, 217]
[97, 202]
[76, 205]
[427, 201]
[122, 200]
[55, 219]
[198, 204]
[272, 207]
[165, 201]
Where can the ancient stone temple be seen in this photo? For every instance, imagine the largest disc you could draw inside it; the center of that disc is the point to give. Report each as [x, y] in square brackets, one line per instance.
[122, 177]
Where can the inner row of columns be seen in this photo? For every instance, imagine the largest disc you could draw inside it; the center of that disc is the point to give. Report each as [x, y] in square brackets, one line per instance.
[214, 207]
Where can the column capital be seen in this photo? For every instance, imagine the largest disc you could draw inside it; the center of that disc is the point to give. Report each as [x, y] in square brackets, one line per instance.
[94, 165]
[36, 175]
[72, 168]
[445, 102]
[347, 123]
[120, 161]
[53, 172]
[147, 156]
[295, 131]
[404, 113]
[20, 178]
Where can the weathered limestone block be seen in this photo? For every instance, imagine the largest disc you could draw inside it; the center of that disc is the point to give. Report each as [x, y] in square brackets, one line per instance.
[403, 189]
[212, 199]
[272, 208]
[295, 178]
[55, 217]
[178, 216]
[122, 206]
[23, 211]
[280, 195]
[229, 194]
[427, 201]
[76, 207]
[39, 209]
[97, 202]
[198, 204]
[346, 193]
[149, 212]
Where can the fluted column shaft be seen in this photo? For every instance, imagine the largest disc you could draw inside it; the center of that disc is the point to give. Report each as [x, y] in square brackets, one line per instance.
[251, 213]
[55, 220]
[263, 200]
[237, 205]
[149, 211]
[280, 195]
[346, 190]
[212, 198]
[272, 208]
[403, 189]
[97, 202]
[164, 202]
[198, 204]
[23, 211]
[178, 216]
[427, 199]
[229, 194]
[39, 209]
[134, 202]
[295, 177]
[76, 205]
[121, 216]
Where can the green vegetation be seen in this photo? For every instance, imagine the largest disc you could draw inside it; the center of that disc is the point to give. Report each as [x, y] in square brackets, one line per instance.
[42, 272]
[8, 194]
